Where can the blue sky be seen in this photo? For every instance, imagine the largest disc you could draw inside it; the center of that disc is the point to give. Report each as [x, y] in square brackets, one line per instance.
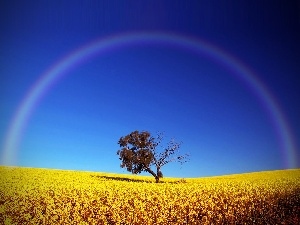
[219, 120]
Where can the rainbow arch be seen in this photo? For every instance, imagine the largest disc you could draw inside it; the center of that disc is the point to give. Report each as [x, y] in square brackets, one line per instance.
[112, 43]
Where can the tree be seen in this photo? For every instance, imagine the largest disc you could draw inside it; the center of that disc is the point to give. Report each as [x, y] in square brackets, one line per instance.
[139, 153]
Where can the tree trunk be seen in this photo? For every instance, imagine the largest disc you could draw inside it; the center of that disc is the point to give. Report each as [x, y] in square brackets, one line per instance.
[158, 174]
[157, 179]
[153, 174]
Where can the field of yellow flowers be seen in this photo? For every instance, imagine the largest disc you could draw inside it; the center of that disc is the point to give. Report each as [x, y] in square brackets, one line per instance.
[47, 196]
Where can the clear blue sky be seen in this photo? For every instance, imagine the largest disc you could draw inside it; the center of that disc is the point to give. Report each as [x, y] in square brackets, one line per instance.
[220, 122]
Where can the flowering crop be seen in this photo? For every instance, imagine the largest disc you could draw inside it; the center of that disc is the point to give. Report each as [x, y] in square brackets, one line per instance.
[44, 196]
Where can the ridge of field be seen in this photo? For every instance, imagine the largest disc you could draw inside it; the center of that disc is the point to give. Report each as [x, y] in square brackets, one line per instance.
[147, 178]
[50, 196]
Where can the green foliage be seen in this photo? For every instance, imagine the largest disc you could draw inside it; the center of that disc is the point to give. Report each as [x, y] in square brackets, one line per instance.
[137, 151]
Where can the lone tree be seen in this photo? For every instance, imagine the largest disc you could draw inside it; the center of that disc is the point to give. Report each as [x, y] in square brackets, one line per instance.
[139, 152]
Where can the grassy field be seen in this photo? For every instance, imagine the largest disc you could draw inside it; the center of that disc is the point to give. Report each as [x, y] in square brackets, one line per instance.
[44, 196]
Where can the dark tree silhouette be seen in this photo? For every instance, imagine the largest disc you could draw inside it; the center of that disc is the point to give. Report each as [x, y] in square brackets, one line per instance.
[139, 153]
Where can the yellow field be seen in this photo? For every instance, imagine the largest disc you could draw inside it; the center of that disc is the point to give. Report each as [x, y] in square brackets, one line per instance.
[44, 196]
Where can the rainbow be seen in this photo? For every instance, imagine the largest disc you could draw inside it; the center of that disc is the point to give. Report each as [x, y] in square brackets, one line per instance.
[113, 43]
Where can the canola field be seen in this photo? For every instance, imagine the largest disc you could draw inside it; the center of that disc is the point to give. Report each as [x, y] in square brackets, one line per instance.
[45, 196]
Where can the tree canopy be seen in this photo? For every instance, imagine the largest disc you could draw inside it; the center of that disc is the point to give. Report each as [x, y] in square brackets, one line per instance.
[139, 152]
